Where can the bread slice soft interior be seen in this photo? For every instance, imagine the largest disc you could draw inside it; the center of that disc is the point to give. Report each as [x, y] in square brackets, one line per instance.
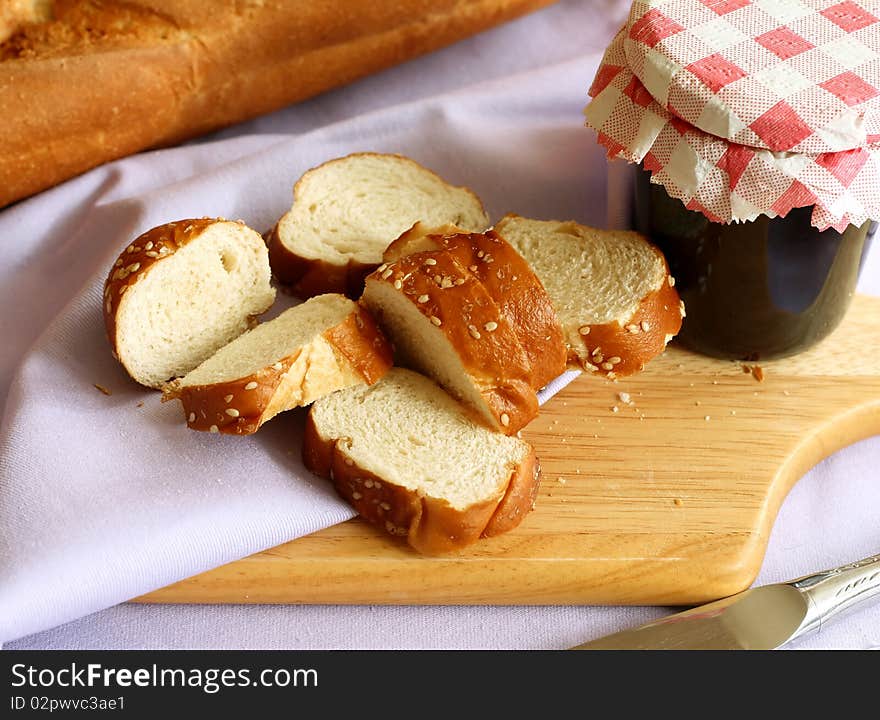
[612, 290]
[409, 458]
[346, 212]
[180, 292]
[322, 345]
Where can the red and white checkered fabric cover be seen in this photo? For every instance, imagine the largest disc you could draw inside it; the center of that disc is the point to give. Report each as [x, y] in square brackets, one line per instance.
[748, 107]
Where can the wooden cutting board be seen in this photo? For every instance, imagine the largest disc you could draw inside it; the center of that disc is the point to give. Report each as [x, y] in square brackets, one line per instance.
[670, 499]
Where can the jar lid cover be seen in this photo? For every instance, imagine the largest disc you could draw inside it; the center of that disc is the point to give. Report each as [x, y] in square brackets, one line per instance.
[749, 107]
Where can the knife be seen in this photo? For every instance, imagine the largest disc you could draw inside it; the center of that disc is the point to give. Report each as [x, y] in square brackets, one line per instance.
[762, 618]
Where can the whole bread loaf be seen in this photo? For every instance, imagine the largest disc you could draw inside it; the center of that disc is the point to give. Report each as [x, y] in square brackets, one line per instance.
[83, 82]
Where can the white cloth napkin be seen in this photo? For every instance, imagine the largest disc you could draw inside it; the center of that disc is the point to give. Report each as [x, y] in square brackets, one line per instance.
[107, 497]
[102, 500]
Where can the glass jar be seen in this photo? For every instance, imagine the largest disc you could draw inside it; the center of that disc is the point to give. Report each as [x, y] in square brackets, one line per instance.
[753, 290]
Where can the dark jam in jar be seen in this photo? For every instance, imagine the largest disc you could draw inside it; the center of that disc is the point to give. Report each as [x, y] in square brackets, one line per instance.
[761, 289]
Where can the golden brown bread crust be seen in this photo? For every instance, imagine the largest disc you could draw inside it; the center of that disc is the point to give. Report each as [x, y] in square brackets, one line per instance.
[107, 79]
[510, 281]
[431, 526]
[239, 407]
[307, 277]
[136, 260]
[454, 301]
[616, 350]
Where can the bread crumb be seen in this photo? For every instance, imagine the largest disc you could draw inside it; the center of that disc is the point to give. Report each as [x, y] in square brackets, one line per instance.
[758, 373]
[697, 402]
[786, 392]
[733, 412]
[560, 480]
[678, 502]
[103, 389]
[625, 398]
[141, 403]
[707, 418]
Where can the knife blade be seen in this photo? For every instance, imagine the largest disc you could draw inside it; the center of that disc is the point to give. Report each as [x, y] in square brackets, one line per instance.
[761, 618]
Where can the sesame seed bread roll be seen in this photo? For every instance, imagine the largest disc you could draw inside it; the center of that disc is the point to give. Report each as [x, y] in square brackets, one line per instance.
[508, 278]
[410, 460]
[346, 212]
[180, 292]
[612, 291]
[325, 344]
[443, 323]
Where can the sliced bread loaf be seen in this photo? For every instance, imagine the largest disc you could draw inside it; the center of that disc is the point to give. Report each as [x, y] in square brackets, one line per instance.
[327, 343]
[509, 280]
[181, 291]
[443, 322]
[410, 460]
[612, 291]
[347, 211]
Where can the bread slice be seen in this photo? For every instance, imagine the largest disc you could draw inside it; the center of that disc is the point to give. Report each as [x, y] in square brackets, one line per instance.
[612, 291]
[347, 211]
[327, 343]
[443, 323]
[509, 280]
[410, 459]
[181, 291]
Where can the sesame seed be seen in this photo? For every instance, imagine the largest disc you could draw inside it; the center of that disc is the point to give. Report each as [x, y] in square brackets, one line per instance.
[356, 496]
[437, 321]
[387, 274]
[227, 399]
[129, 249]
[251, 385]
[148, 246]
[611, 376]
[438, 279]
[192, 417]
[490, 326]
[607, 366]
[671, 281]
[446, 282]
[118, 263]
[632, 328]
[472, 268]
[614, 360]
[459, 281]
[385, 506]
[591, 367]
[598, 358]
[214, 429]
[681, 308]
[277, 366]
[597, 351]
[382, 268]
[134, 267]
[584, 330]
[349, 462]
[430, 261]
[475, 334]
[398, 284]
[505, 419]
[646, 325]
[368, 483]
[480, 253]
[423, 298]
[151, 253]
[232, 412]
[188, 228]
[123, 289]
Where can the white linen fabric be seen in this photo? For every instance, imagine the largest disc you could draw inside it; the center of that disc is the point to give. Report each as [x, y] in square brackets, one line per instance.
[102, 499]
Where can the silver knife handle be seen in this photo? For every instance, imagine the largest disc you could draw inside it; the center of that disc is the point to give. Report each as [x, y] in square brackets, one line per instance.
[832, 592]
